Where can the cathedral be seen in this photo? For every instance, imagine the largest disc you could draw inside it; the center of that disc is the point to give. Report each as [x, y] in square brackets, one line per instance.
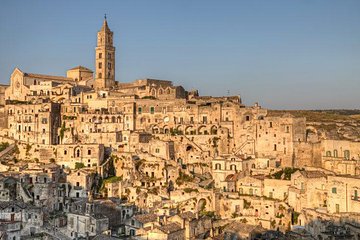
[23, 85]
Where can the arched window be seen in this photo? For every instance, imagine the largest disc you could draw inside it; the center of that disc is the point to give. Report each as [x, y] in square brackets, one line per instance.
[160, 91]
[347, 154]
[217, 166]
[152, 110]
[78, 153]
[233, 167]
[328, 153]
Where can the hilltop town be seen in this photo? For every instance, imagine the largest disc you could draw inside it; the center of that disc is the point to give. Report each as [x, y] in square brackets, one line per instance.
[84, 156]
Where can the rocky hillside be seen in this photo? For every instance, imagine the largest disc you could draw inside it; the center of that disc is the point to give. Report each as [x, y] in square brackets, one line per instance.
[328, 124]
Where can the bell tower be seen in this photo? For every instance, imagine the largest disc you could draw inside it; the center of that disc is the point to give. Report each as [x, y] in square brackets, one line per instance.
[105, 58]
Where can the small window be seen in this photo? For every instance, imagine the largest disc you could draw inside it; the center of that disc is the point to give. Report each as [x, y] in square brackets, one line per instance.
[152, 110]
[89, 152]
[100, 65]
[347, 154]
[100, 55]
[247, 118]
[334, 190]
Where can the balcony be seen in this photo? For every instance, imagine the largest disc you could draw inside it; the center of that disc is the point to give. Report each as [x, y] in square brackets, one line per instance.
[355, 198]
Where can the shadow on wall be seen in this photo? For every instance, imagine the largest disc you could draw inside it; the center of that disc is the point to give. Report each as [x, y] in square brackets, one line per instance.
[319, 229]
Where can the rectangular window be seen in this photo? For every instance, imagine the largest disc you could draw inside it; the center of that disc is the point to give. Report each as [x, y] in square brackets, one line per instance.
[205, 119]
[333, 190]
[152, 110]
[44, 121]
[287, 129]
[100, 65]
[100, 55]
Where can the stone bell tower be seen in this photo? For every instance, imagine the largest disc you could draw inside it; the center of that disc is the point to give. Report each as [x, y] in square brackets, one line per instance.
[105, 58]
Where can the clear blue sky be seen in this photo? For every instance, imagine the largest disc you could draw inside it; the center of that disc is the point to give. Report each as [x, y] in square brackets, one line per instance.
[301, 54]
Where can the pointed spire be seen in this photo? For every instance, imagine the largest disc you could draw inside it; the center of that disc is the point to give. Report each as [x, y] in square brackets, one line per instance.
[105, 26]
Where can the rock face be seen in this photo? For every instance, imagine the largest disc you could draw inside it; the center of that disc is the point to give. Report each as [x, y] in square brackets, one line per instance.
[328, 124]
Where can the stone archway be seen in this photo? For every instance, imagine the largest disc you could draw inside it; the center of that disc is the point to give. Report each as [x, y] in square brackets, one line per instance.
[201, 204]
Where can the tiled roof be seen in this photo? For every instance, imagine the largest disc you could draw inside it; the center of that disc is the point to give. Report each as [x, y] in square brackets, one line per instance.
[48, 77]
[146, 218]
[313, 174]
[170, 228]
[188, 215]
[81, 68]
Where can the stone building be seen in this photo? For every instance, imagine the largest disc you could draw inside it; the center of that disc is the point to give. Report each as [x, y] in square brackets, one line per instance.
[84, 220]
[29, 217]
[343, 194]
[33, 123]
[341, 156]
[308, 190]
[80, 182]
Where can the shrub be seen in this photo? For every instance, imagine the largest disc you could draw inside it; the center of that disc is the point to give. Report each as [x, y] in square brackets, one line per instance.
[79, 165]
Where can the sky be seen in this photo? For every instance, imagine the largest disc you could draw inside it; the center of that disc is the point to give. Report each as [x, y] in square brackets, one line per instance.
[300, 54]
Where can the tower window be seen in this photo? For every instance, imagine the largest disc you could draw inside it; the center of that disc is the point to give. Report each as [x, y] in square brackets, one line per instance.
[100, 65]
[100, 75]
[109, 55]
[109, 65]
[100, 55]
